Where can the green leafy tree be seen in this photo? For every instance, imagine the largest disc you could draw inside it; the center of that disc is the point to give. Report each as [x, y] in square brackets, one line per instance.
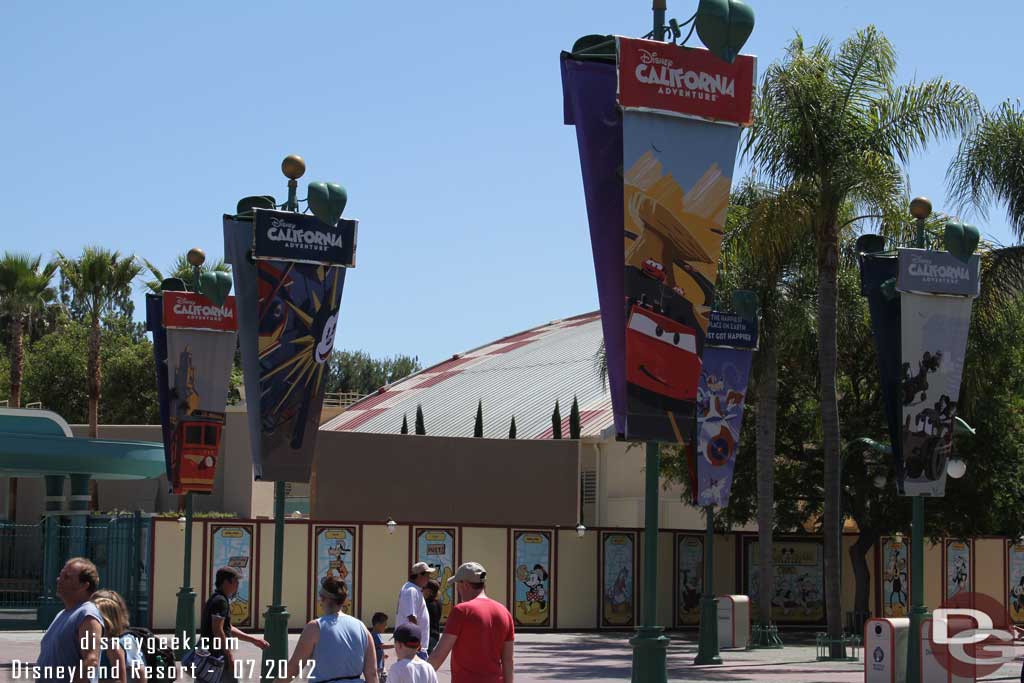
[358, 372]
[834, 125]
[556, 422]
[478, 424]
[420, 427]
[512, 428]
[24, 291]
[182, 270]
[98, 282]
[574, 419]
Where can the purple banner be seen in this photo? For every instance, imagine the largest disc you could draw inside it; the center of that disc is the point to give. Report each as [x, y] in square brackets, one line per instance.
[588, 90]
[721, 396]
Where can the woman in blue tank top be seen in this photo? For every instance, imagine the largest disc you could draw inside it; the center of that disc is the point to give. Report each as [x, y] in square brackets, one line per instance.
[335, 647]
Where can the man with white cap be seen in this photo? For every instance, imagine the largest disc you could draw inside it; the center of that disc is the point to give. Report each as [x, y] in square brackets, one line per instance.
[479, 632]
[412, 608]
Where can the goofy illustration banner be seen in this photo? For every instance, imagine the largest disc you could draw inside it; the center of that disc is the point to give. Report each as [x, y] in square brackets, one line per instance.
[657, 138]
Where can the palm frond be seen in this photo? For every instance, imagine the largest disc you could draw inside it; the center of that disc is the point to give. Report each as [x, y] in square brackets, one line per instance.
[910, 116]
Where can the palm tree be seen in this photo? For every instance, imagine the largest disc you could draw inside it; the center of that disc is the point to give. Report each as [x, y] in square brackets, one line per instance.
[182, 270]
[766, 250]
[834, 125]
[987, 167]
[99, 279]
[24, 291]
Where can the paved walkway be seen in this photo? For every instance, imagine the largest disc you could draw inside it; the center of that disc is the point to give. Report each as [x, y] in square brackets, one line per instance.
[595, 657]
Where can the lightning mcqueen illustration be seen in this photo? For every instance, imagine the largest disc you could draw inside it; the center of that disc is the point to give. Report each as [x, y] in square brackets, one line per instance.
[661, 355]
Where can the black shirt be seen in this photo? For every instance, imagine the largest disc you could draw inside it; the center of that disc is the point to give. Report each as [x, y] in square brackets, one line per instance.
[434, 612]
[216, 606]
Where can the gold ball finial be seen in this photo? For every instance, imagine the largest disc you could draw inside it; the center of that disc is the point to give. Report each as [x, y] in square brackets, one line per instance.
[920, 208]
[293, 166]
[196, 257]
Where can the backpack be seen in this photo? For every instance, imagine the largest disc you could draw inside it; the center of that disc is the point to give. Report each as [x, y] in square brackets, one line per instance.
[159, 657]
[134, 660]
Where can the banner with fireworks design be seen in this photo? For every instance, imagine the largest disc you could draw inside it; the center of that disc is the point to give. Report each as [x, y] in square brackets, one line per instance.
[936, 292]
[194, 344]
[288, 313]
[721, 396]
[672, 165]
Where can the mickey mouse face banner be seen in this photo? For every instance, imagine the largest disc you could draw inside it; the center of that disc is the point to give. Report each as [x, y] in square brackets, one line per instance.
[289, 292]
[936, 291]
[194, 344]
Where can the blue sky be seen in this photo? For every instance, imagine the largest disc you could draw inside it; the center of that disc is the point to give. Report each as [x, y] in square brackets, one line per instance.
[136, 125]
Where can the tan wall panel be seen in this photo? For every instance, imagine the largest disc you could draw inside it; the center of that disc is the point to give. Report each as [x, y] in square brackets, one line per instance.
[296, 587]
[489, 547]
[933, 570]
[169, 550]
[577, 588]
[384, 569]
[990, 567]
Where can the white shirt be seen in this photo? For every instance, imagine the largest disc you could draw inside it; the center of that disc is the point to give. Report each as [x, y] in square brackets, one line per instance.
[413, 670]
[411, 602]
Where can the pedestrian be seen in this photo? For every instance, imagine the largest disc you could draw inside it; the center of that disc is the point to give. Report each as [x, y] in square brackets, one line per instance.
[479, 633]
[409, 668]
[121, 656]
[431, 594]
[215, 629]
[335, 647]
[412, 608]
[379, 624]
[73, 637]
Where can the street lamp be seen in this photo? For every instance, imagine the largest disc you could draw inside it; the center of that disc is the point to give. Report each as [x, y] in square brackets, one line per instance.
[581, 530]
[956, 468]
[391, 525]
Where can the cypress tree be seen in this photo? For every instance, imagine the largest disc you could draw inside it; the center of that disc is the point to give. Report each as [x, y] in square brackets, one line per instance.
[405, 425]
[512, 428]
[556, 422]
[478, 426]
[574, 419]
[421, 429]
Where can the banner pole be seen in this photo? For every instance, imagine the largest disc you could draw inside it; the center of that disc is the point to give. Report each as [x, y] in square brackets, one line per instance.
[707, 645]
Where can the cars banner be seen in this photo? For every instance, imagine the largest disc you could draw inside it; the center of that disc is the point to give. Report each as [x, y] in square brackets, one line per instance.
[288, 307]
[662, 130]
[194, 343]
[936, 293]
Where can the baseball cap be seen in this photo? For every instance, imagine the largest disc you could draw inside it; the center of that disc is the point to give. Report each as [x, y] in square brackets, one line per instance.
[473, 572]
[422, 568]
[407, 634]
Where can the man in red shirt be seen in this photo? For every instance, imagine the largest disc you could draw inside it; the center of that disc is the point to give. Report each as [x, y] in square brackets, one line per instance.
[479, 633]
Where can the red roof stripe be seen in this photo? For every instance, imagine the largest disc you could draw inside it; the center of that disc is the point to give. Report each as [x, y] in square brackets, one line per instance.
[509, 347]
[436, 379]
[376, 399]
[361, 416]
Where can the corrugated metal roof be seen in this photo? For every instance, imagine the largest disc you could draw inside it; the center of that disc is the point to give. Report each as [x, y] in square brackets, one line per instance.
[522, 375]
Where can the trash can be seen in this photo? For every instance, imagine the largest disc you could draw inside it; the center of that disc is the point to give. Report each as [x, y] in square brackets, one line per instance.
[733, 621]
[933, 668]
[885, 650]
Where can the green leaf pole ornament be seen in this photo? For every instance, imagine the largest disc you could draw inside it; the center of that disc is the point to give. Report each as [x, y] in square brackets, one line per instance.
[724, 26]
[961, 240]
[215, 286]
[327, 201]
[745, 303]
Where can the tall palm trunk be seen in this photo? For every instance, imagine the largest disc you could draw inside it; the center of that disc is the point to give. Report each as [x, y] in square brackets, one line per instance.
[767, 412]
[828, 301]
[17, 359]
[94, 377]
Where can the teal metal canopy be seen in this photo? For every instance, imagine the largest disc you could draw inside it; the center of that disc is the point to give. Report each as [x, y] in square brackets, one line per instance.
[34, 443]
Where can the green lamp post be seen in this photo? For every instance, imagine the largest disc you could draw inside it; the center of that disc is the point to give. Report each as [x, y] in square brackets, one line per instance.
[185, 622]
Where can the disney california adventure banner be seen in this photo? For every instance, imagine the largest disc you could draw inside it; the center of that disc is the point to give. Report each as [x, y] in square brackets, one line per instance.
[289, 273]
[657, 138]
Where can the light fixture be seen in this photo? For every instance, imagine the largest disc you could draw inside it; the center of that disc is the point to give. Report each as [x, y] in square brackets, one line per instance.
[391, 524]
[899, 537]
[181, 524]
[581, 530]
[296, 515]
[956, 468]
[880, 481]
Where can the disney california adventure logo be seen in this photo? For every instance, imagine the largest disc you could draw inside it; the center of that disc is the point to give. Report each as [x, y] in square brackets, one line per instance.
[660, 71]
